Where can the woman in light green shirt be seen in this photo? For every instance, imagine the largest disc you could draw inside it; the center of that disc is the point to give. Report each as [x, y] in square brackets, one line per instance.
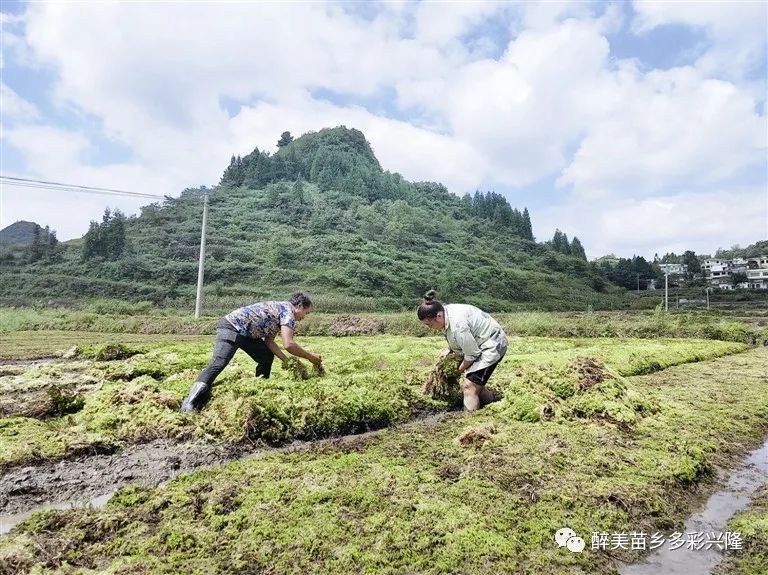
[473, 334]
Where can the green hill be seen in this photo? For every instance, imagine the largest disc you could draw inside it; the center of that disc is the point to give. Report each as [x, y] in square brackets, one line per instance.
[19, 233]
[320, 215]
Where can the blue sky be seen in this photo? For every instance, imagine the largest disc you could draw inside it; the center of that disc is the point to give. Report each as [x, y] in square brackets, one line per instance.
[638, 127]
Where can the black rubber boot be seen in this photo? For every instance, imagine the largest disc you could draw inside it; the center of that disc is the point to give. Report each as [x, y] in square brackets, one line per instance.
[197, 398]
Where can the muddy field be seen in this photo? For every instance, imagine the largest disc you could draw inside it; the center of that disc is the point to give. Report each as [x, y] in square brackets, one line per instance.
[596, 434]
[90, 476]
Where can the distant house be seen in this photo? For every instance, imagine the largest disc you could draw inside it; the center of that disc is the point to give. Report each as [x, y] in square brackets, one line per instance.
[719, 272]
[757, 278]
[674, 269]
[758, 262]
[706, 266]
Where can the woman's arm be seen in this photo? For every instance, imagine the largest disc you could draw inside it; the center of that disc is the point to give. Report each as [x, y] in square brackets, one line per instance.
[468, 344]
[275, 349]
[286, 333]
[464, 366]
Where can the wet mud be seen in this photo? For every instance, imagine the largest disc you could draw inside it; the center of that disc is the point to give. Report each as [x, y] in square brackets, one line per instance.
[89, 476]
[743, 481]
[78, 481]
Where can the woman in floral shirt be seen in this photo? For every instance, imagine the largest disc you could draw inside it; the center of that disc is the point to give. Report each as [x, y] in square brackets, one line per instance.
[253, 329]
[472, 334]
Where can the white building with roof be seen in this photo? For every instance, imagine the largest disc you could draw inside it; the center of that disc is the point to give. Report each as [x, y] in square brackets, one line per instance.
[674, 269]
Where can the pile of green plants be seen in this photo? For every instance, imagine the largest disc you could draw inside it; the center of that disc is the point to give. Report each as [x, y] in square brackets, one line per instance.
[370, 383]
[443, 380]
[471, 493]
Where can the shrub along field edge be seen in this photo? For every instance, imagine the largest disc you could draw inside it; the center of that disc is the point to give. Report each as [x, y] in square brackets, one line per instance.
[748, 329]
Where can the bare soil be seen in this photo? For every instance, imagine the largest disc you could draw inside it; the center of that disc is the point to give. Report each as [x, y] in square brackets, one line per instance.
[89, 476]
[95, 474]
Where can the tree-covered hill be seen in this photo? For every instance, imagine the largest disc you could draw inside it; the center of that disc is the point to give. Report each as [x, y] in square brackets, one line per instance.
[19, 233]
[751, 251]
[321, 215]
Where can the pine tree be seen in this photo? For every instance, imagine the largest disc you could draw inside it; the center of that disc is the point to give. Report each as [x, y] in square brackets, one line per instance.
[298, 192]
[52, 248]
[690, 260]
[527, 228]
[557, 241]
[106, 240]
[117, 235]
[577, 250]
[35, 251]
[285, 139]
[92, 241]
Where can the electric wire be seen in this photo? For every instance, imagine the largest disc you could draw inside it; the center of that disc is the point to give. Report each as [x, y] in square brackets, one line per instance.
[46, 185]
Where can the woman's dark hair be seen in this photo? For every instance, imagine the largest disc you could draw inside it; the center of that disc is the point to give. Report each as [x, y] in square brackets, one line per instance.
[430, 307]
[300, 299]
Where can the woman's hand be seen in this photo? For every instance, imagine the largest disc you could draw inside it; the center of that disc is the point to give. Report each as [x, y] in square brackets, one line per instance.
[317, 359]
[445, 353]
[465, 365]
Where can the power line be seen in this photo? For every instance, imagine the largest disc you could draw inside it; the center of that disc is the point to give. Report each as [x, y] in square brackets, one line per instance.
[77, 190]
[44, 185]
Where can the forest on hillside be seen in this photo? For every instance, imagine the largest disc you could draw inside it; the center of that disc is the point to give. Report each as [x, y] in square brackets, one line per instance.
[320, 214]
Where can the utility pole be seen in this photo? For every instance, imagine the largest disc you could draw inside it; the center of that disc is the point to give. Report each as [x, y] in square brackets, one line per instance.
[638, 283]
[707, 290]
[666, 290]
[201, 264]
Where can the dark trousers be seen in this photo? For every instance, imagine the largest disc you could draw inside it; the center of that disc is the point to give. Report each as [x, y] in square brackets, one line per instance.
[228, 341]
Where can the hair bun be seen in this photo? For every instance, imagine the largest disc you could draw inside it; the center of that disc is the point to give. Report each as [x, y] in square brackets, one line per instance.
[430, 296]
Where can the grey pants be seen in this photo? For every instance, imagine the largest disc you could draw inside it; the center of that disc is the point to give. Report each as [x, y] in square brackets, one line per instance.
[228, 341]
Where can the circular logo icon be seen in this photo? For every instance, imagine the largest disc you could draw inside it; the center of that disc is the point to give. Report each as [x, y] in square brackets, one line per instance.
[561, 537]
[575, 544]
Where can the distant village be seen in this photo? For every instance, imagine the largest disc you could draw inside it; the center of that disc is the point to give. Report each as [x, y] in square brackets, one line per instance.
[736, 273]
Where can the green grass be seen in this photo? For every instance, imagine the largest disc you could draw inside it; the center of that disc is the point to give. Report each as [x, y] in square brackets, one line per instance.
[426, 498]
[371, 383]
[31, 345]
[752, 524]
[746, 327]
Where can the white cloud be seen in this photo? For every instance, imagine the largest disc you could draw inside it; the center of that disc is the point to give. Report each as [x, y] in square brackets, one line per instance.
[53, 154]
[737, 31]
[667, 128]
[554, 104]
[47, 149]
[523, 111]
[698, 221]
[439, 24]
[15, 108]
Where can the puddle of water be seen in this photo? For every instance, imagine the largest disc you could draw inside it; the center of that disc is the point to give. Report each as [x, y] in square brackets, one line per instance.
[8, 522]
[720, 507]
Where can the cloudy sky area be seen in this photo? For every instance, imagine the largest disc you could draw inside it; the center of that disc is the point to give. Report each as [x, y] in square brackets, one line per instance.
[639, 127]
